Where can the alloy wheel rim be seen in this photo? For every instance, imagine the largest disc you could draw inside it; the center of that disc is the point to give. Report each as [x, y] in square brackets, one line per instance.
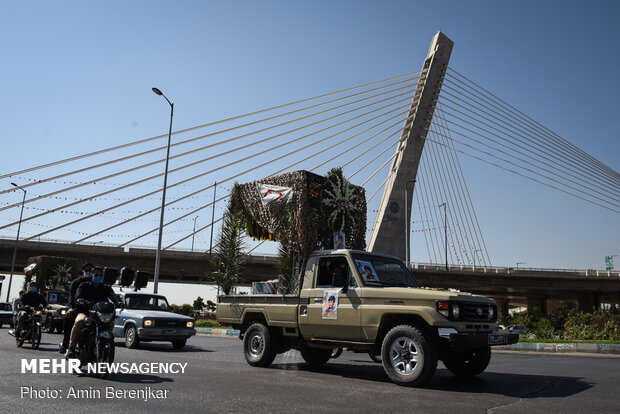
[405, 356]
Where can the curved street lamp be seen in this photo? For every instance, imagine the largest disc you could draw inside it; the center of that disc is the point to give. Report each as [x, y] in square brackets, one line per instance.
[8, 291]
[163, 196]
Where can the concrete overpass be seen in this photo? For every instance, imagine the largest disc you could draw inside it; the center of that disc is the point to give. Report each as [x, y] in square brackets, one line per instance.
[541, 288]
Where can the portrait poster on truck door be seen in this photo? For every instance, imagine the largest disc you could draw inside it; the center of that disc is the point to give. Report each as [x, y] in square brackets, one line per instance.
[330, 304]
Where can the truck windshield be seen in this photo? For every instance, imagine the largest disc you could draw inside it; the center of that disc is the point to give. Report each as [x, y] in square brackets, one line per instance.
[58, 298]
[146, 302]
[377, 271]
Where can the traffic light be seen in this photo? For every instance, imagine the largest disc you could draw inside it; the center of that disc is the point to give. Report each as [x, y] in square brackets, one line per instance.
[142, 278]
[127, 276]
[110, 274]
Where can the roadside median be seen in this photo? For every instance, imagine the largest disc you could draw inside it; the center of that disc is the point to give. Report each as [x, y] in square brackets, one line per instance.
[610, 349]
[218, 332]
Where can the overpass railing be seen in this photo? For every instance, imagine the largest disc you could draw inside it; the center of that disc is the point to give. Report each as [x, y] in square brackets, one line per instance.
[513, 270]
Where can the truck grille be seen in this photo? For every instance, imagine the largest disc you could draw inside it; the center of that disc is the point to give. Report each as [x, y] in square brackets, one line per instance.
[168, 323]
[477, 312]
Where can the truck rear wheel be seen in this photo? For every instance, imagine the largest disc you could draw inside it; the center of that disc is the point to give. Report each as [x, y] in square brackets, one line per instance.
[258, 346]
[468, 363]
[316, 356]
[408, 356]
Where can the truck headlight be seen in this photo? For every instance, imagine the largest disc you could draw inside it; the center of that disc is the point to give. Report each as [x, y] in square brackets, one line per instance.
[456, 311]
[148, 322]
[190, 324]
[491, 313]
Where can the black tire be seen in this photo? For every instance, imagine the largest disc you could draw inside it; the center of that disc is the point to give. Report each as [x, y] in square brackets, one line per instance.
[315, 357]
[336, 352]
[132, 341]
[36, 336]
[468, 363]
[375, 357]
[104, 353]
[408, 355]
[48, 326]
[259, 348]
[179, 343]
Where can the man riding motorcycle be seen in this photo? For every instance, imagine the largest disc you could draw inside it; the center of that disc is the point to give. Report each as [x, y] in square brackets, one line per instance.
[87, 295]
[30, 298]
[69, 320]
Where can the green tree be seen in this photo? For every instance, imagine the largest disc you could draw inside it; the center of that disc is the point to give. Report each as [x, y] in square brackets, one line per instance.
[199, 304]
[287, 271]
[229, 256]
[184, 309]
[211, 306]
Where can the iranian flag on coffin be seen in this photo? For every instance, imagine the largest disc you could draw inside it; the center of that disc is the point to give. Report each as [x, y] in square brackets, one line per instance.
[274, 194]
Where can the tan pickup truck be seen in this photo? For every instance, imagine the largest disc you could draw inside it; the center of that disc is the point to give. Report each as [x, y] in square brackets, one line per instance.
[368, 302]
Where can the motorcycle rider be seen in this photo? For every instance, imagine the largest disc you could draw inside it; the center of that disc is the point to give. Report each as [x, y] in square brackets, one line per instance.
[30, 298]
[69, 320]
[17, 303]
[92, 291]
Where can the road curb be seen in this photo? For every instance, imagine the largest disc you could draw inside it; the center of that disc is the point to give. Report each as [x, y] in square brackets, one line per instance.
[218, 332]
[613, 349]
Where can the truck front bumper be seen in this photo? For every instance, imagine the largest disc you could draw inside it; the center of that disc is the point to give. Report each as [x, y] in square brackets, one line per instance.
[481, 340]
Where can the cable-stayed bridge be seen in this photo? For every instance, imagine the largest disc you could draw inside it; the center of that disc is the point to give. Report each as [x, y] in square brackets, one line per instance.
[402, 138]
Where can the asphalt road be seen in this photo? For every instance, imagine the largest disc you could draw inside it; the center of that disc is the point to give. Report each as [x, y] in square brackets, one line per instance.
[217, 379]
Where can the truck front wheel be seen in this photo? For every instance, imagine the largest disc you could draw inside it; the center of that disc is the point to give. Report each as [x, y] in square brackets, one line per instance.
[258, 346]
[408, 356]
[468, 363]
[316, 356]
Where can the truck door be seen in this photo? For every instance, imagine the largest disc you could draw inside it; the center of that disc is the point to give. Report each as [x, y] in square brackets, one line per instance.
[331, 314]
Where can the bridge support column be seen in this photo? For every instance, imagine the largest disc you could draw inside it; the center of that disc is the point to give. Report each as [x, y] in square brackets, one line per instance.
[537, 301]
[390, 232]
[589, 301]
[502, 307]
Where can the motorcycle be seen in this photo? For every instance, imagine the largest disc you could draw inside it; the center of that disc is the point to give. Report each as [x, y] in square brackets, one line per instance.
[31, 329]
[96, 341]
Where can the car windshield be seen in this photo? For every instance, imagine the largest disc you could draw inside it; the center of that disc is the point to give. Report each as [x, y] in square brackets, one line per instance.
[377, 271]
[146, 302]
[5, 306]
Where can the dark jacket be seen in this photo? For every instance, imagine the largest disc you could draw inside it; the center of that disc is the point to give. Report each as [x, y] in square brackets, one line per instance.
[33, 299]
[74, 287]
[95, 293]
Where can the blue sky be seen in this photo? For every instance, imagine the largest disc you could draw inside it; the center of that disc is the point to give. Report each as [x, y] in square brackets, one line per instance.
[77, 77]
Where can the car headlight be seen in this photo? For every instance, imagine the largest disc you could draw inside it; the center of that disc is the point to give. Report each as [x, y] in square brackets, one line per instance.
[37, 313]
[491, 313]
[448, 309]
[190, 324]
[148, 322]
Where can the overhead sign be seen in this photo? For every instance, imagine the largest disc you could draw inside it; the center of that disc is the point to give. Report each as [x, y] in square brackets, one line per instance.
[609, 262]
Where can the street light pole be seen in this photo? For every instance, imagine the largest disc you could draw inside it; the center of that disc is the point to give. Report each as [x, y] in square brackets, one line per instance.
[194, 233]
[8, 291]
[408, 222]
[163, 196]
[445, 227]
